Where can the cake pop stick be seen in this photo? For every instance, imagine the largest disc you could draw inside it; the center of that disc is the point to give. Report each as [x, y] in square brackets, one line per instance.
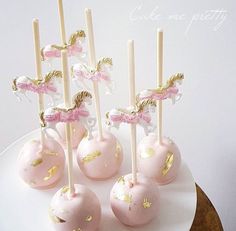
[67, 101]
[62, 22]
[38, 71]
[159, 80]
[131, 67]
[92, 63]
[134, 198]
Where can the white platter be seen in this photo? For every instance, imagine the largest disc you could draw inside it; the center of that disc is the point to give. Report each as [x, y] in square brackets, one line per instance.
[26, 209]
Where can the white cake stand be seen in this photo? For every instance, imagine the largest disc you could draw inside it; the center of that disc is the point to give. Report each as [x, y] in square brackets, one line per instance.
[26, 209]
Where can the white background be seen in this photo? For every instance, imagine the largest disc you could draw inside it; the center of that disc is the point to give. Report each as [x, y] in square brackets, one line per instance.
[199, 41]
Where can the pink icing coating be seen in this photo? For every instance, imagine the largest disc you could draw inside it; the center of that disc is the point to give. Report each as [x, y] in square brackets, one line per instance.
[152, 159]
[72, 50]
[135, 205]
[168, 93]
[100, 160]
[44, 88]
[41, 167]
[78, 132]
[67, 117]
[80, 212]
[132, 118]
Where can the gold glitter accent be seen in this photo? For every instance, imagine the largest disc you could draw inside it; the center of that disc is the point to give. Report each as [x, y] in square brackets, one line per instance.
[89, 218]
[51, 172]
[121, 180]
[103, 61]
[77, 229]
[168, 163]
[65, 189]
[37, 162]
[146, 203]
[91, 156]
[149, 152]
[124, 197]
[50, 153]
[54, 218]
[118, 150]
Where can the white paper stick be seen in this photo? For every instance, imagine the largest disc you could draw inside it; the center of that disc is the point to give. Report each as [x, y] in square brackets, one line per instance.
[38, 65]
[131, 69]
[62, 22]
[159, 81]
[92, 63]
[67, 101]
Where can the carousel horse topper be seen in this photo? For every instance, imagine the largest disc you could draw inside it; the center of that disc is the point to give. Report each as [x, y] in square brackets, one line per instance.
[101, 73]
[23, 84]
[138, 115]
[168, 91]
[74, 47]
[78, 112]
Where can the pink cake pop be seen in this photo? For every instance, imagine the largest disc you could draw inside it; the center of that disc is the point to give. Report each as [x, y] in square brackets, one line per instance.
[41, 167]
[101, 156]
[41, 162]
[134, 198]
[159, 157]
[80, 211]
[161, 162]
[135, 205]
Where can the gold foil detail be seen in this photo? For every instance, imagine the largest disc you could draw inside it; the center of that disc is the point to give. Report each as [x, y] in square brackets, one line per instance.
[121, 180]
[37, 162]
[89, 218]
[50, 153]
[118, 150]
[54, 218]
[51, 172]
[65, 189]
[146, 203]
[124, 197]
[149, 152]
[168, 163]
[91, 156]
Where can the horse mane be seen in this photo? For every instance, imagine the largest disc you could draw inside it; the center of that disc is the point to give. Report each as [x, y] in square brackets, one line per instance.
[103, 61]
[52, 74]
[14, 86]
[171, 81]
[77, 101]
[73, 38]
[141, 105]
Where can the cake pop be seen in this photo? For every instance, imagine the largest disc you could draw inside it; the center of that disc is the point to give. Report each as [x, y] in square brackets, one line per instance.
[158, 156]
[73, 207]
[41, 161]
[100, 157]
[134, 198]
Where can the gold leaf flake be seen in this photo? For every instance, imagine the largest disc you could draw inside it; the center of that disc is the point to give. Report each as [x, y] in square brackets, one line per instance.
[91, 156]
[146, 203]
[149, 152]
[65, 189]
[37, 162]
[121, 180]
[77, 229]
[54, 218]
[124, 197]
[51, 172]
[168, 163]
[89, 218]
[50, 153]
[118, 150]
